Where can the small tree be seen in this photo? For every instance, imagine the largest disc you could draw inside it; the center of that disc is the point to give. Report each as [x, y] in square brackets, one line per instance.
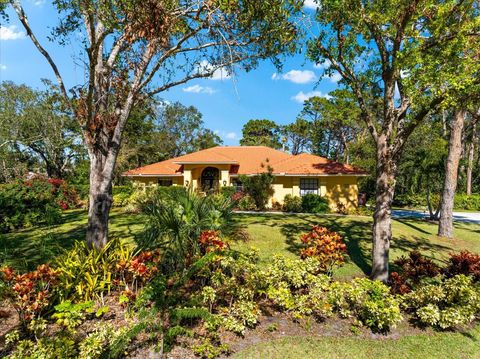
[259, 187]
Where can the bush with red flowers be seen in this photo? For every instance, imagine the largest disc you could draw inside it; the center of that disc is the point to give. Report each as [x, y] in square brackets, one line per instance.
[466, 263]
[324, 245]
[35, 201]
[30, 293]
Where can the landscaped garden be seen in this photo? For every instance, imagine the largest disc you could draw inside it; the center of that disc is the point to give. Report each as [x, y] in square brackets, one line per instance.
[249, 285]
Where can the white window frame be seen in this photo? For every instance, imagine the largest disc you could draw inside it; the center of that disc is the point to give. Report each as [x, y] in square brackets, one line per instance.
[312, 187]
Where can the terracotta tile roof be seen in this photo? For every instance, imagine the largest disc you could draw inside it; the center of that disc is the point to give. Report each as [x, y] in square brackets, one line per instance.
[249, 160]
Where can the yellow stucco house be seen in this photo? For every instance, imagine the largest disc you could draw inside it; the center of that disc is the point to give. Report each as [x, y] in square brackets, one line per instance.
[220, 166]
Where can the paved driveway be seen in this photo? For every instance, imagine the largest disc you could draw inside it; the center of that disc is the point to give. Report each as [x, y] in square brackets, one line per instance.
[470, 217]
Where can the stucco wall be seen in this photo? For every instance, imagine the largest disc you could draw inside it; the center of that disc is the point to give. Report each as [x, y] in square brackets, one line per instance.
[342, 189]
[153, 181]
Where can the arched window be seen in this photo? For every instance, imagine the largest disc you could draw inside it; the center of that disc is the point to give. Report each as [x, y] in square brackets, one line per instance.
[209, 179]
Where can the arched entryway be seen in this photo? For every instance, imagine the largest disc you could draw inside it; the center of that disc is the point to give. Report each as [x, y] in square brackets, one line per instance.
[209, 179]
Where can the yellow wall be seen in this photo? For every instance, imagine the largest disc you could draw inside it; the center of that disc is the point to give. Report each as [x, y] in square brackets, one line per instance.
[337, 189]
[342, 189]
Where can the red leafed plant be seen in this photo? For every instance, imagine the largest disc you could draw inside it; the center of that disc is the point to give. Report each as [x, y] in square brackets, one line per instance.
[210, 241]
[466, 263]
[413, 269]
[139, 270]
[326, 246]
[237, 196]
[30, 293]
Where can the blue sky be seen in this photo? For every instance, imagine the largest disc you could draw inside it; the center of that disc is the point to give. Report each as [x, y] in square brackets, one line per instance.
[226, 104]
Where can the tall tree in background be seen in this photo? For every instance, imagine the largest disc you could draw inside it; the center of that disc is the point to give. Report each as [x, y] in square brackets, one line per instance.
[445, 225]
[335, 122]
[37, 124]
[137, 47]
[297, 136]
[261, 133]
[381, 47]
[473, 138]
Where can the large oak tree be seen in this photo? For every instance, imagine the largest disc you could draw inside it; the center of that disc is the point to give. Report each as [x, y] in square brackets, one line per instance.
[401, 59]
[145, 47]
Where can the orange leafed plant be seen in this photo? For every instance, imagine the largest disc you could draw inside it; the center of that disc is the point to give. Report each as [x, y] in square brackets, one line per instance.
[326, 246]
[211, 241]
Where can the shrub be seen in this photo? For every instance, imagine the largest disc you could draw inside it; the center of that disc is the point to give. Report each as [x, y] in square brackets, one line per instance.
[453, 302]
[121, 195]
[413, 269]
[313, 203]
[324, 245]
[369, 301]
[210, 241]
[246, 203]
[175, 225]
[469, 203]
[30, 293]
[259, 187]
[292, 203]
[466, 263]
[228, 191]
[34, 202]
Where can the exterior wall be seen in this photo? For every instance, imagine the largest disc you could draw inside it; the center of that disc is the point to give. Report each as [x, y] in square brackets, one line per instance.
[342, 189]
[196, 174]
[153, 181]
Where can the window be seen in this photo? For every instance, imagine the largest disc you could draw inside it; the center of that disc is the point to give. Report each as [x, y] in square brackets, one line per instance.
[308, 185]
[165, 182]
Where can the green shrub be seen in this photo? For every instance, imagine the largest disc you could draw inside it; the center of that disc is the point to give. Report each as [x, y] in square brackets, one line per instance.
[38, 201]
[468, 203]
[246, 203]
[368, 301]
[292, 203]
[453, 302]
[313, 203]
[259, 187]
[121, 195]
[228, 191]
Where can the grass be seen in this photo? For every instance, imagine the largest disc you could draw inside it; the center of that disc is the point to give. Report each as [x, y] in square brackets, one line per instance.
[437, 346]
[279, 234]
[270, 233]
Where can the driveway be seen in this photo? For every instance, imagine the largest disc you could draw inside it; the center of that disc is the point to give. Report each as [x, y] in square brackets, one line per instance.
[469, 217]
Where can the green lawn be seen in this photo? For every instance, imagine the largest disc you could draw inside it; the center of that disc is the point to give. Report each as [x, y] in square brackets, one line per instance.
[270, 233]
[437, 346]
[279, 234]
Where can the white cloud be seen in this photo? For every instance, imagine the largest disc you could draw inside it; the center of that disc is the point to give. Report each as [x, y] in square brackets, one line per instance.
[11, 33]
[301, 97]
[231, 135]
[3, 67]
[311, 4]
[219, 74]
[39, 2]
[335, 77]
[296, 76]
[323, 65]
[199, 89]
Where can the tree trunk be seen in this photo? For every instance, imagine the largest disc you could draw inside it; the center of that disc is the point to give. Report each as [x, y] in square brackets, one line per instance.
[445, 226]
[471, 154]
[100, 200]
[382, 222]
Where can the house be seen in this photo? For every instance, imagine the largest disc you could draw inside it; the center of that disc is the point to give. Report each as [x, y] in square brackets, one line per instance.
[220, 166]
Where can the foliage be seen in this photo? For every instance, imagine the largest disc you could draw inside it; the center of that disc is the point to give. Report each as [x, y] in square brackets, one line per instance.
[25, 203]
[259, 187]
[292, 203]
[122, 195]
[210, 241]
[464, 202]
[228, 191]
[324, 245]
[246, 203]
[261, 133]
[465, 263]
[30, 293]
[453, 302]
[70, 315]
[369, 301]
[175, 224]
[208, 350]
[86, 273]
[313, 203]
[297, 135]
[413, 270]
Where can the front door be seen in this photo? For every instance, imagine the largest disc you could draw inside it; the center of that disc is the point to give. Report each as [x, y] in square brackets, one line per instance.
[209, 179]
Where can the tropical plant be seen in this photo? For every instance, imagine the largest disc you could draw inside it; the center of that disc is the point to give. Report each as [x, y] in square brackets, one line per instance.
[465, 263]
[175, 224]
[259, 187]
